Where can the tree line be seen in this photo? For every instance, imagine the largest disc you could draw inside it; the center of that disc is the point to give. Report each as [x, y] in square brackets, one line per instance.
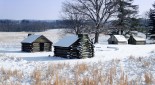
[31, 25]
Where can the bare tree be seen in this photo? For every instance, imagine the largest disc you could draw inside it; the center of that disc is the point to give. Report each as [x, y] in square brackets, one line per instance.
[98, 11]
[75, 19]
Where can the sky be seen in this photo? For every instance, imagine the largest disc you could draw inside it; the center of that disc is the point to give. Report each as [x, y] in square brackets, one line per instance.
[46, 9]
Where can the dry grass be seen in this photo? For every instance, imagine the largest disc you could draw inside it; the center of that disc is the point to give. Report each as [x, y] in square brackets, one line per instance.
[36, 77]
[81, 68]
[82, 74]
[146, 64]
[148, 78]
[8, 74]
[123, 79]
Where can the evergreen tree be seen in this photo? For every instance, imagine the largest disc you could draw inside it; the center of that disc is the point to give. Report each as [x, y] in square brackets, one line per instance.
[125, 14]
[152, 20]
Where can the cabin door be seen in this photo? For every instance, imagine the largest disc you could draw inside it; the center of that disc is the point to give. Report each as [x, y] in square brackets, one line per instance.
[41, 46]
[112, 42]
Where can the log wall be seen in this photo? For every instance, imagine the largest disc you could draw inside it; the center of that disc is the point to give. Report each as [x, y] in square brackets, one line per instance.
[26, 47]
[35, 47]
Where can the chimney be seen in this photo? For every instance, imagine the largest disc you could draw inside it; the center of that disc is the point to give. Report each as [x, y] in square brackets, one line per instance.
[82, 35]
[30, 34]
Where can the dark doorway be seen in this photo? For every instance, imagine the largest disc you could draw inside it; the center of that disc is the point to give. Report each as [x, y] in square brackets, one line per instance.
[41, 46]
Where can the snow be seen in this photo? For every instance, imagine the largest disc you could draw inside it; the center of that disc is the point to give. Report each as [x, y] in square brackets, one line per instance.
[109, 52]
[120, 38]
[133, 60]
[31, 38]
[66, 41]
[139, 38]
[142, 35]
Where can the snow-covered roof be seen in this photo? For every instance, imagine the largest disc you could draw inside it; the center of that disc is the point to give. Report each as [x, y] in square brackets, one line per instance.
[67, 41]
[120, 38]
[135, 32]
[152, 35]
[31, 38]
[138, 38]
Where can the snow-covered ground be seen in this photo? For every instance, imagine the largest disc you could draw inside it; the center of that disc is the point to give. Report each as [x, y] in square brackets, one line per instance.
[134, 60]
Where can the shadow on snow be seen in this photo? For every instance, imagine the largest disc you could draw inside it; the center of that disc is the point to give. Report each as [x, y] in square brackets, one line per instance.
[43, 58]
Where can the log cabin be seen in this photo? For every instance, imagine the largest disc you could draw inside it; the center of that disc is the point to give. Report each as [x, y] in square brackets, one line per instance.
[36, 43]
[74, 47]
[117, 39]
[136, 40]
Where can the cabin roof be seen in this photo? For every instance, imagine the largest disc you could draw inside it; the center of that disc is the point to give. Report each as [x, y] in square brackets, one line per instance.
[31, 38]
[120, 38]
[138, 38]
[67, 41]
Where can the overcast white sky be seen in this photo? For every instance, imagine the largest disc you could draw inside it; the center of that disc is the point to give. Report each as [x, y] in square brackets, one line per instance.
[46, 9]
[144, 5]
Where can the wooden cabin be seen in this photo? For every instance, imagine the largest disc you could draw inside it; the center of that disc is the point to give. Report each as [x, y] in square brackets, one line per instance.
[117, 39]
[136, 40]
[74, 47]
[36, 43]
[152, 36]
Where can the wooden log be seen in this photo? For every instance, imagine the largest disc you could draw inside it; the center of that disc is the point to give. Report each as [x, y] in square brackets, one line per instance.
[62, 50]
[61, 53]
[56, 47]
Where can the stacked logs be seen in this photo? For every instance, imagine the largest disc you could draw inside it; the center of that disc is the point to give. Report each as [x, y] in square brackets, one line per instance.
[86, 48]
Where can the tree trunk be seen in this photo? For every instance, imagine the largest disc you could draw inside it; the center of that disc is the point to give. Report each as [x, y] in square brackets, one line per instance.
[96, 37]
[121, 31]
[77, 30]
[97, 33]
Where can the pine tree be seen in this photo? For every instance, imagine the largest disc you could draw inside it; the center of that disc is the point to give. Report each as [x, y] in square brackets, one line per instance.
[125, 13]
[152, 20]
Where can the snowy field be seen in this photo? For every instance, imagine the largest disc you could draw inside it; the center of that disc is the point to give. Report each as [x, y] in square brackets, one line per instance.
[112, 64]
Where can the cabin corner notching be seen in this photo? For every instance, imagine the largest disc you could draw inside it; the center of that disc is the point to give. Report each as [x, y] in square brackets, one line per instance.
[36, 43]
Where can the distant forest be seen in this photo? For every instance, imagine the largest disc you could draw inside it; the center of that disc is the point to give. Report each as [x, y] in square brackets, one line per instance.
[43, 25]
[31, 25]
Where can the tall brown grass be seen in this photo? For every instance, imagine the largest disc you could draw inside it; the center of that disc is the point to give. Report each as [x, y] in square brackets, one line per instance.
[77, 74]
[148, 78]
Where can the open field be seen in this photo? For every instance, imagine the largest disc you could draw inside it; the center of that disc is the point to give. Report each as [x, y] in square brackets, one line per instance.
[111, 65]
